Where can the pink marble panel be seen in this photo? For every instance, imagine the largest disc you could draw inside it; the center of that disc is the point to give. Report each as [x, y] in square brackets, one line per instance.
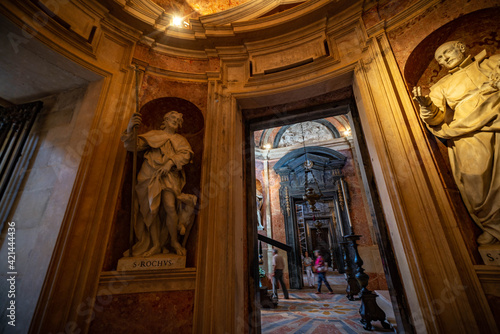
[157, 312]
[154, 87]
[357, 209]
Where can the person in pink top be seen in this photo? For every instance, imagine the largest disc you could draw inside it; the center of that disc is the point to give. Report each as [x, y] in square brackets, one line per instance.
[321, 269]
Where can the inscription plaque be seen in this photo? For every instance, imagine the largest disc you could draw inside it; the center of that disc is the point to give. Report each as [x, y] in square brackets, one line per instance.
[490, 254]
[154, 262]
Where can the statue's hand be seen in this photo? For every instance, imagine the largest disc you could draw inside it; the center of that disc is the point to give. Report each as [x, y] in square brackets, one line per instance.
[495, 80]
[423, 101]
[135, 121]
[167, 167]
[490, 86]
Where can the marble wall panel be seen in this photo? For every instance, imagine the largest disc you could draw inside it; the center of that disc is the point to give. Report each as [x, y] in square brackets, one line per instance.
[257, 137]
[278, 220]
[159, 312]
[155, 87]
[357, 208]
[42, 199]
[494, 302]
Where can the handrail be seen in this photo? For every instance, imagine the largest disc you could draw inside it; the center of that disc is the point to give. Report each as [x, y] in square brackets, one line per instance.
[274, 243]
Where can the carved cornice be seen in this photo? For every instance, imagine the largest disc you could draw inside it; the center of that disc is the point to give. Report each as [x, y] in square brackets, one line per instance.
[313, 8]
[222, 29]
[488, 274]
[336, 144]
[116, 283]
[174, 51]
[32, 27]
[246, 11]
[177, 76]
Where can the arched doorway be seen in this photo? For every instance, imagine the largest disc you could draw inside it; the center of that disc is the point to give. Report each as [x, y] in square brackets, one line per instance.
[306, 228]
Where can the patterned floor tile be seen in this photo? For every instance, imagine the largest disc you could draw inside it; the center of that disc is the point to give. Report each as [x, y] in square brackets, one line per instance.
[309, 313]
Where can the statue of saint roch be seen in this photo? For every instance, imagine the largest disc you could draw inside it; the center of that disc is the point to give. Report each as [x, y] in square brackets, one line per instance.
[164, 211]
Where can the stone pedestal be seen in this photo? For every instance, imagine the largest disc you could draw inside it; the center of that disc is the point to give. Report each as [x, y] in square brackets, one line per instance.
[155, 262]
[490, 254]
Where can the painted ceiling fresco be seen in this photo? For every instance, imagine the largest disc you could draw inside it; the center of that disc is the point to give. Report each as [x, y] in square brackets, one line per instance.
[196, 8]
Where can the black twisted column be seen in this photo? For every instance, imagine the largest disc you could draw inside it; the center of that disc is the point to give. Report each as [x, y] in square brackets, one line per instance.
[369, 310]
[353, 287]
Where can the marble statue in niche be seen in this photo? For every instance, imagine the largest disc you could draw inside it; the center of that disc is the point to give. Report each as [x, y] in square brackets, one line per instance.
[260, 202]
[164, 211]
[464, 108]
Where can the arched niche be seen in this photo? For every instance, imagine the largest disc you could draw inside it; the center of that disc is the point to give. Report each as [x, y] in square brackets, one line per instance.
[479, 31]
[193, 129]
[326, 173]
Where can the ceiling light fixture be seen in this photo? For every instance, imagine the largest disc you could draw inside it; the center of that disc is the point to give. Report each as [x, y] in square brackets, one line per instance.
[177, 21]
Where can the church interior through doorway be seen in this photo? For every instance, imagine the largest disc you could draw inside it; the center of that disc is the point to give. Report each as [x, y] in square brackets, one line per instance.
[327, 127]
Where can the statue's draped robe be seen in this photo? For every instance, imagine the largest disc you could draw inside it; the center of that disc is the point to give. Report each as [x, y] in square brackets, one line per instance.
[152, 181]
[471, 125]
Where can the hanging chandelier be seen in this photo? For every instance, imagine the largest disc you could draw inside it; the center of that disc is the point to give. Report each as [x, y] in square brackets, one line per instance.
[310, 194]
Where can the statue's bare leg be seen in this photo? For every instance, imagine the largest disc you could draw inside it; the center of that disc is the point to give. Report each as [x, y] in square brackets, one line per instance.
[155, 238]
[168, 200]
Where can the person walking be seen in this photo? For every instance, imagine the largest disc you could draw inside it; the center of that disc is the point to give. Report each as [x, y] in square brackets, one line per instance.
[308, 262]
[321, 269]
[278, 266]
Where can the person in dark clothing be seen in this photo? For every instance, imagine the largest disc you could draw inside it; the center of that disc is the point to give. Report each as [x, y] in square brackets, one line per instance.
[278, 266]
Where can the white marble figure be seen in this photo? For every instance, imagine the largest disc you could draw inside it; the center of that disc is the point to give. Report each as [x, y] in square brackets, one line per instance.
[464, 108]
[260, 202]
[164, 211]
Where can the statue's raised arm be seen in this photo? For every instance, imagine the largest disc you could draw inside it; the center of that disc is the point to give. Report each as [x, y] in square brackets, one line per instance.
[429, 112]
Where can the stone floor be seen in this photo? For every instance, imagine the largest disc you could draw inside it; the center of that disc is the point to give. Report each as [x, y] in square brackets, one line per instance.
[307, 312]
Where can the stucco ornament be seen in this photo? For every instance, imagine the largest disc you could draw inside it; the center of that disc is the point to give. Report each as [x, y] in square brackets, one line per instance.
[464, 108]
[164, 211]
[310, 132]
